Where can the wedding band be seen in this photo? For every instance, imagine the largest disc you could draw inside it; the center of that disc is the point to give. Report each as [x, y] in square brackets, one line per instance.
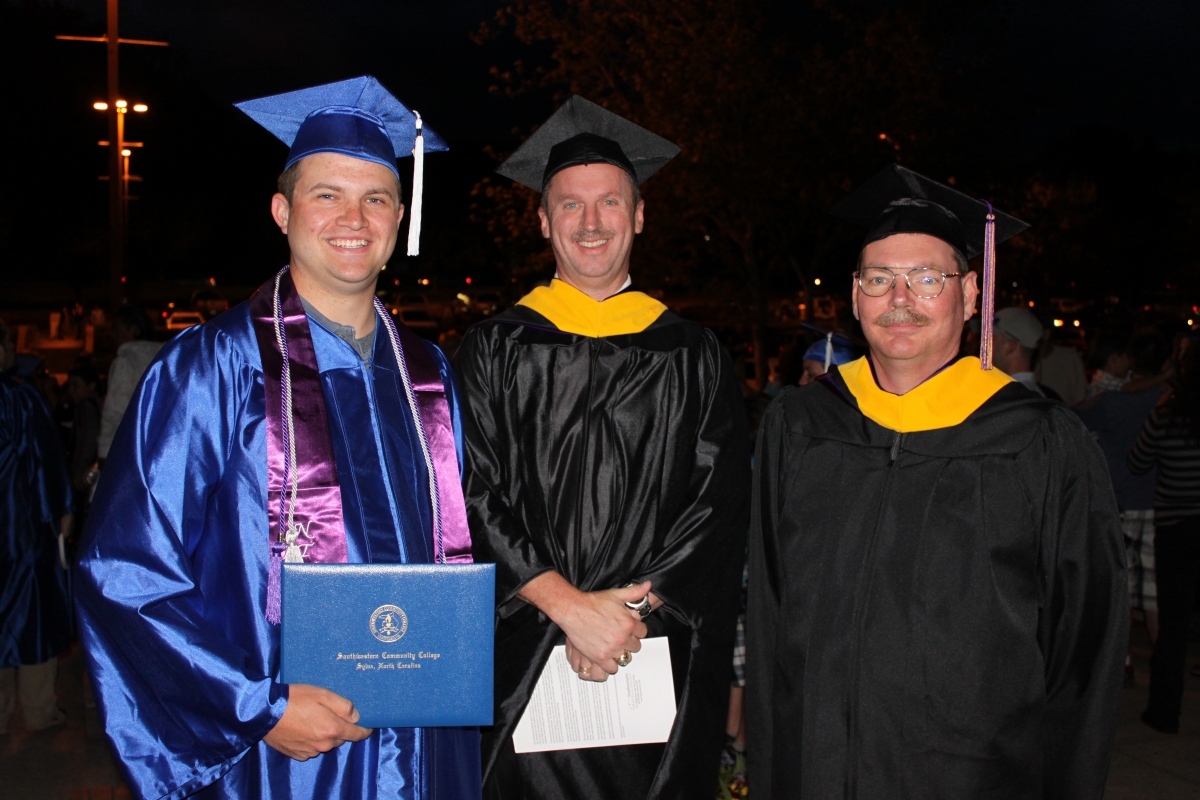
[625, 658]
[585, 671]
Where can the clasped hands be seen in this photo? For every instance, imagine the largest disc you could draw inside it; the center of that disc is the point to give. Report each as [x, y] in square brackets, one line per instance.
[599, 628]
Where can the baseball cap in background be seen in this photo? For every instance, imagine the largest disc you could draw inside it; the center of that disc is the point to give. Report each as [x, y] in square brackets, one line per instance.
[1016, 323]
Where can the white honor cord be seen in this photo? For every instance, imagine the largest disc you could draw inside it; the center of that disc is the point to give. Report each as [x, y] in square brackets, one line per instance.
[418, 189]
[287, 534]
[410, 395]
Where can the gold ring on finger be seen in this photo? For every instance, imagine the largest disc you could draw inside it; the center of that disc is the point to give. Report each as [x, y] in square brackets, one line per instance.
[625, 658]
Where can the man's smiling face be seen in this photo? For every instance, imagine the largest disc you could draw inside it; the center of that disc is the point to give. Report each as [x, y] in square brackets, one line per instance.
[590, 216]
[342, 220]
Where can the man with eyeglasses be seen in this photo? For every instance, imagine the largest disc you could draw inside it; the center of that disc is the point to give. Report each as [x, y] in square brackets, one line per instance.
[937, 604]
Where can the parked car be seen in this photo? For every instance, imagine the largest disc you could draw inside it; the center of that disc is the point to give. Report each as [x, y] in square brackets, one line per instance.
[209, 302]
[181, 320]
[417, 318]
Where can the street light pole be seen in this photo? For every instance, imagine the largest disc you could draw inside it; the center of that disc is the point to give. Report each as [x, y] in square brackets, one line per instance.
[116, 137]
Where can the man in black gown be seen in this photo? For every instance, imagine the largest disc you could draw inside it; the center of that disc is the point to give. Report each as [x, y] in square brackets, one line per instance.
[937, 592]
[605, 446]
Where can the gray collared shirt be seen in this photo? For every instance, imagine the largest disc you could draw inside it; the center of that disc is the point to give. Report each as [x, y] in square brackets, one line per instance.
[364, 346]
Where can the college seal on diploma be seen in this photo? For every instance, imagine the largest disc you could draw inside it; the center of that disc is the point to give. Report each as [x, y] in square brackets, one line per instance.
[388, 623]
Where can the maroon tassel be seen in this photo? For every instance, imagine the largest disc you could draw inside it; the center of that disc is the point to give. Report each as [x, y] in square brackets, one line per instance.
[275, 583]
[988, 313]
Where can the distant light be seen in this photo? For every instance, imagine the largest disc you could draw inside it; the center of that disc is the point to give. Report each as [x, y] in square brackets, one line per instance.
[1014, 284]
[122, 279]
[816, 281]
[1031, 304]
[707, 238]
[126, 153]
[100, 106]
[381, 269]
[396, 282]
[141, 108]
[121, 104]
[170, 305]
[468, 281]
[212, 281]
[883, 137]
[1189, 323]
[424, 281]
[1058, 323]
[165, 313]
[465, 300]
[1076, 323]
[395, 311]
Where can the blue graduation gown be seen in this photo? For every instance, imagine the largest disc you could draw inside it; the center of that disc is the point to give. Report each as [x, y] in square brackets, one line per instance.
[173, 573]
[35, 493]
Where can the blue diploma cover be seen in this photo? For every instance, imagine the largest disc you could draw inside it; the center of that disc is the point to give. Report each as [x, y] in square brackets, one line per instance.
[409, 644]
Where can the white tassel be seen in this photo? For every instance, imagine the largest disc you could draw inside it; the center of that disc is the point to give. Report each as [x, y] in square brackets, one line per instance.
[828, 350]
[418, 188]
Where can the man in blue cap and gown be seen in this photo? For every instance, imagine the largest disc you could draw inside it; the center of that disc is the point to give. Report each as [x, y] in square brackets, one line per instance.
[305, 425]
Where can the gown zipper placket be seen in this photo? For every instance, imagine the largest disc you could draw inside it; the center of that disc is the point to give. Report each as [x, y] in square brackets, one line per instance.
[593, 354]
[850, 786]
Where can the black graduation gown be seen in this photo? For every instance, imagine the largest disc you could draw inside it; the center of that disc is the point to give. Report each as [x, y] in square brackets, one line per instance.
[938, 614]
[608, 460]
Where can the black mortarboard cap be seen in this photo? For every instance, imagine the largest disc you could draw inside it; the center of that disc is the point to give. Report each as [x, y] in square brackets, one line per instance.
[581, 132]
[898, 200]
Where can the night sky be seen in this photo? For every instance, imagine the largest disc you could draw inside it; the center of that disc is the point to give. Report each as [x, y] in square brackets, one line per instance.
[1065, 69]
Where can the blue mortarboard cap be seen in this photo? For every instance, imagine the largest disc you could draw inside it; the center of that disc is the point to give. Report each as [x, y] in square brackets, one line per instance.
[358, 118]
[831, 348]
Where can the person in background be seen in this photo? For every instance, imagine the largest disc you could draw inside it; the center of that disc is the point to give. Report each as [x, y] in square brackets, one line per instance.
[827, 351]
[1060, 369]
[1018, 337]
[85, 431]
[35, 619]
[1170, 442]
[1115, 419]
[132, 330]
[1111, 362]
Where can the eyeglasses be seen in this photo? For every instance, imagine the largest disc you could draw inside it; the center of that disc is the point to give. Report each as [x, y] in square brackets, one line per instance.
[923, 282]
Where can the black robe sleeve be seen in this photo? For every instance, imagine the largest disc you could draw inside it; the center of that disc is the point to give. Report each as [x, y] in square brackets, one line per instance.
[706, 540]
[518, 558]
[1083, 628]
[767, 578]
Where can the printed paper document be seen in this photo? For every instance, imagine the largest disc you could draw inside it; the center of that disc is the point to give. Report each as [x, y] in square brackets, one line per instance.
[635, 706]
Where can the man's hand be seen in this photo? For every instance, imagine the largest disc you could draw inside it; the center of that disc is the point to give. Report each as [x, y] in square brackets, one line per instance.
[315, 721]
[598, 626]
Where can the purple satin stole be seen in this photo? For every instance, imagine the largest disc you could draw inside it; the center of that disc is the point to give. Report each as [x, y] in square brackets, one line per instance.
[452, 538]
[317, 513]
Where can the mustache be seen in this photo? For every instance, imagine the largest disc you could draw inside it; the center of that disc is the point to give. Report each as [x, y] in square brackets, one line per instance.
[902, 315]
[590, 236]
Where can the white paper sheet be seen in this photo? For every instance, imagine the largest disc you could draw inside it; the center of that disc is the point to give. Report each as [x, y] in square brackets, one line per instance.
[635, 706]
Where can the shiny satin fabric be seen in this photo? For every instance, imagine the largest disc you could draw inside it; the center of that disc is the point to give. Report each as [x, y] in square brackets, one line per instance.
[173, 574]
[318, 509]
[35, 493]
[936, 614]
[454, 536]
[608, 460]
